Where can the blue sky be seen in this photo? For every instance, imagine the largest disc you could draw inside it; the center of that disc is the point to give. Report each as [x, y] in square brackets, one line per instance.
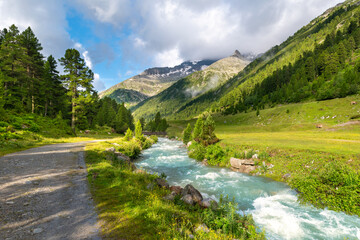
[121, 38]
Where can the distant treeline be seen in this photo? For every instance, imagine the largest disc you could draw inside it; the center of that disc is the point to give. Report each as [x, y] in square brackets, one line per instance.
[331, 70]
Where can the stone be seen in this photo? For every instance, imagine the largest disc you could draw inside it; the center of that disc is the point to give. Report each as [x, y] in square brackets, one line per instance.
[189, 144]
[202, 228]
[10, 203]
[242, 165]
[353, 103]
[162, 182]
[116, 144]
[176, 189]
[286, 176]
[87, 131]
[209, 202]
[205, 162]
[188, 199]
[193, 192]
[37, 230]
[319, 126]
[112, 149]
[255, 156]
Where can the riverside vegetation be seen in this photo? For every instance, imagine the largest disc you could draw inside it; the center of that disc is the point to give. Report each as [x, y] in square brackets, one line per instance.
[322, 165]
[130, 209]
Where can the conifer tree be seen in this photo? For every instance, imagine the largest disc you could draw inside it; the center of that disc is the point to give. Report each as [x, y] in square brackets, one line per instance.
[187, 134]
[198, 129]
[78, 81]
[138, 131]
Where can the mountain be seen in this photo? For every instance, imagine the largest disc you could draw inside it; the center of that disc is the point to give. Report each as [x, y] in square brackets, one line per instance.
[152, 81]
[320, 61]
[176, 96]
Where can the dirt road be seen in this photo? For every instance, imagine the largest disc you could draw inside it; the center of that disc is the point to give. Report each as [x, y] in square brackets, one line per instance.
[44, 194]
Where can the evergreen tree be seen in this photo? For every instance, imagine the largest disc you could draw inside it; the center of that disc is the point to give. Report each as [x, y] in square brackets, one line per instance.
[78, 81]
[198, 129]
[128, 135]
[187, 134]
[34, 65]
[138, 131]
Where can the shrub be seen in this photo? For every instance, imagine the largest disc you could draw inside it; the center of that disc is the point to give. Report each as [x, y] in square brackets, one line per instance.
[3, 124]
[131, 148]
[154, 138]
[215, 155]
[227, 219]
[128, 135]
[197, 151]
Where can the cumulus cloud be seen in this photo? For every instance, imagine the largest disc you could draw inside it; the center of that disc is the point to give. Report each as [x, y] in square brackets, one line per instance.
[198, 29]
[98, 84]
[164, 32]
[46, 18]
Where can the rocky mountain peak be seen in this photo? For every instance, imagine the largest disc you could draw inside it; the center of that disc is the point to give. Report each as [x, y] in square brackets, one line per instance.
[237, 54]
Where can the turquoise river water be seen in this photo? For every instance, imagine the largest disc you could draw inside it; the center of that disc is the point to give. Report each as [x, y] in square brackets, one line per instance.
[273, 204]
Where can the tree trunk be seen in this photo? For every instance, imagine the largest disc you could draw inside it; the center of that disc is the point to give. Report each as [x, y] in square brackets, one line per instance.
[46, 108]
[73, 113]
[32, 96]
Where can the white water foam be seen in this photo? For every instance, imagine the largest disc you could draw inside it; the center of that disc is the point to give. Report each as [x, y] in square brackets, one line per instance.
[276, 217]
[210, 175]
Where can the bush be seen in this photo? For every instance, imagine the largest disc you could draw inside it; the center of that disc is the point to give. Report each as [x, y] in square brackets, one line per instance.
[215, 155]
[147, 143]
[131, 148]
[227, 219]
[197, 151]
[154, 138]
[128, 135]
[3, 124]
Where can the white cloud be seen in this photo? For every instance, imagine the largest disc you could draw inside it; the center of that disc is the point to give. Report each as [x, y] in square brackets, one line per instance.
[46, 18]
[168, 58]
[98, 84]
[201, 29]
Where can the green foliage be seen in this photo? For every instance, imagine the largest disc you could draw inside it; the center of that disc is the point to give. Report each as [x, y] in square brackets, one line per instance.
[215, 155]
[128, 135]
[138, 131]
[158, 124]
[130, 148]
[154, 138]
[187, 134]
[227, 219]
[197, 151]
[198, 129]
[334, 185]
[204, 131]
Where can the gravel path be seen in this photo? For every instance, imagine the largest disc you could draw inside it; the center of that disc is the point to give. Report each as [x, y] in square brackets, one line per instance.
[44, 194]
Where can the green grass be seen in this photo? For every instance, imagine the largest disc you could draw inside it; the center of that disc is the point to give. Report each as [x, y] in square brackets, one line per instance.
[288, 138]
[129, 210]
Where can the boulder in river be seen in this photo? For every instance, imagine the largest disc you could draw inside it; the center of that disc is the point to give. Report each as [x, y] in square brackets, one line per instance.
[193, 192]
[188, 199]
[162, 182]
[242, 165]
[176, 189]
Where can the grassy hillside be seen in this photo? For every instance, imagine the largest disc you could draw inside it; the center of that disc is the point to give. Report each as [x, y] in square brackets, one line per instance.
[128, 96]
[174, 98]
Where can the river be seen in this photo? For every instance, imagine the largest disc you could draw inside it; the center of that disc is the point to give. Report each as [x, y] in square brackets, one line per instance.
[273, 204]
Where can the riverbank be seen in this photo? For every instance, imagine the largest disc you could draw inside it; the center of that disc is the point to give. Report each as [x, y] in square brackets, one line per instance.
[129, 209]
[321, 163]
